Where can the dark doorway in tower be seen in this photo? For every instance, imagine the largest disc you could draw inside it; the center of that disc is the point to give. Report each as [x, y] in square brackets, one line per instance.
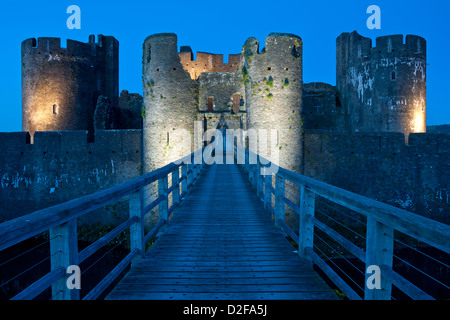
[210, 104]
[236, 102]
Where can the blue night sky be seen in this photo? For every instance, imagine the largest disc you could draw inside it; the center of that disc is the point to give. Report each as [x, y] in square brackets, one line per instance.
[223, 27]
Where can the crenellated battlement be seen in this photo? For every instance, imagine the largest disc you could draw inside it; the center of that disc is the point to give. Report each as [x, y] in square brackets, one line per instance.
[207, 62]
[382, 87]
[50, 142]
[74, 50]
[56, 81]
[356, 46]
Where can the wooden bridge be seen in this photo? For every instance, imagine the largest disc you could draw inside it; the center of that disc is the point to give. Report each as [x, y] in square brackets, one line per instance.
[224, 236]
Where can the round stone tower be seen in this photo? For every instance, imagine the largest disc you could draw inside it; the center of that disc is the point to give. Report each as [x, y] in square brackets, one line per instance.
[171, 103]
[383, 88]
[60, 86]
[273, 81]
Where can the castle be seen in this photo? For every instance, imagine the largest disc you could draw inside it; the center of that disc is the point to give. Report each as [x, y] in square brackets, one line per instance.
[366, 134]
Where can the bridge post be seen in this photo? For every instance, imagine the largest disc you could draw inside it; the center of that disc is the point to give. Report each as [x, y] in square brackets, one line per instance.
[64, 253]
[267, 190]
[176, 191]
[184, 185]
[379, 251]
[259, 180]
[137, 238]
[163, 205]
[279, 200]
[189, 176]
[306, 226]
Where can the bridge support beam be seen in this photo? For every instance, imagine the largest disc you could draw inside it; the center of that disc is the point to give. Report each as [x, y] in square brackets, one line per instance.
[176, 192]
[379, 252]
[184, 184]
[64, 253]
[163, 209]
[137, 238]
[279, 200]
[267, 190]
[306, 226]
[259, 180]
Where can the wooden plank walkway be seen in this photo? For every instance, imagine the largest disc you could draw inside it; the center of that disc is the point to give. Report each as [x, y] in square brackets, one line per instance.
[221, 244]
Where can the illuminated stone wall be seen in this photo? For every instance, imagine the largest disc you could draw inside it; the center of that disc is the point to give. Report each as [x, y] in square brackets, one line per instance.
[273, 90]
[62, 165]
[382, 88]
[414, 177]
[60, 86]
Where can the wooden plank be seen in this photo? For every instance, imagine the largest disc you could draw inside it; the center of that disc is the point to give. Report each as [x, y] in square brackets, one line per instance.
[136, 210]
[341, 284]
[306, 227]
[106, 282]
[64, 253]
[353, 249]
[92, 248]
[218, 275]
[279, 203]
[242, 296]
[40, 285]
[216, 288]
[404, 285]
[379, 251]
[302, 278]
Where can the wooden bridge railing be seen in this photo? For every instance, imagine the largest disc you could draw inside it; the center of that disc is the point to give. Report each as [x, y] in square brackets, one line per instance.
[382, 220]
[61, 222]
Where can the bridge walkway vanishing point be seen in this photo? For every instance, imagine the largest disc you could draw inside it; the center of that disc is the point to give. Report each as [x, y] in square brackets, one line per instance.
[222, 244]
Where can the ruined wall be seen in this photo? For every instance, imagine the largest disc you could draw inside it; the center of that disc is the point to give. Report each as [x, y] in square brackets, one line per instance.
[383, 88]
[220, 87]
[60, 86]
[171, 103]
[61, 166]
[130, 112]
[321, 107]
[415, 177]
[207, 62]
[273, 89]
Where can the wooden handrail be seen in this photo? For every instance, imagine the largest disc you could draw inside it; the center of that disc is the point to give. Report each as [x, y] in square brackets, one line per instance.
[429, 231]
[382, 220]
[61, 221]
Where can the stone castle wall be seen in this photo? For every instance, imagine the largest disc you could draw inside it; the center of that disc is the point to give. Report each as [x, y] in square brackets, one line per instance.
[207, 62]
[321, 107]
[61, 166]
[415, 177]
[273, 90]
[382, 88]
[60, 86]
[171, 103]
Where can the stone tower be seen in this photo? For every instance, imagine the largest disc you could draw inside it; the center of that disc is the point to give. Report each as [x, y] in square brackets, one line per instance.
[382, 88]
[171, 103]
[60, 86]
[273, 89]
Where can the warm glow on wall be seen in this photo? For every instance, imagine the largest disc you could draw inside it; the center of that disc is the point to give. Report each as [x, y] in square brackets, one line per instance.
[418, 123]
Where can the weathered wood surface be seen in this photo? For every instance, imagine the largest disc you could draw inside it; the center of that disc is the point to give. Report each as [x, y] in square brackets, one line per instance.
[222, 244]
